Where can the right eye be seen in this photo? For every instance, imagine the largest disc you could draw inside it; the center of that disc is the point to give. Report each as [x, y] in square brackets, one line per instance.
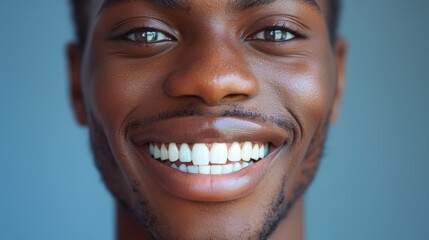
[147, 36]
[274, 35]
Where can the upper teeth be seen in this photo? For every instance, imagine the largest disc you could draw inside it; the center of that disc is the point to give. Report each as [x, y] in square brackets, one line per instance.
[202, 156]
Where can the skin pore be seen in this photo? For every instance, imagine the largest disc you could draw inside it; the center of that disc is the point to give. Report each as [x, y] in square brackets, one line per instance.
[157, 72]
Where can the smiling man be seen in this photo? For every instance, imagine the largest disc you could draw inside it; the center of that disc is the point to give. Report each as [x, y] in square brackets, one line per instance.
[207, 118]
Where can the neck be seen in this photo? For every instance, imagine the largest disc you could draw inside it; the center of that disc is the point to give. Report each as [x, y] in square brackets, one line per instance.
[291, 228]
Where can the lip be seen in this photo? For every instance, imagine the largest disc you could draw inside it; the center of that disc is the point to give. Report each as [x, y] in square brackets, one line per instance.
[201, 129]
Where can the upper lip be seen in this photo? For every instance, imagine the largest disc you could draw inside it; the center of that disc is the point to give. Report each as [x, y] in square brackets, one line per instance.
[205, 129]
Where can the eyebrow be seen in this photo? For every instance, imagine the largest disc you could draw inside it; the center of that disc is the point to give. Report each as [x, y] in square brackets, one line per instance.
[246, 4]
[171, 4]
[239, 5]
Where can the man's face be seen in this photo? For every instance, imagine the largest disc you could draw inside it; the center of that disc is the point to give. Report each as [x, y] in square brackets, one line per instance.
[207, 119]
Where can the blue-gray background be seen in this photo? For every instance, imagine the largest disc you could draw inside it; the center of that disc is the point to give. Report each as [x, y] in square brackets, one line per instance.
[372, 184]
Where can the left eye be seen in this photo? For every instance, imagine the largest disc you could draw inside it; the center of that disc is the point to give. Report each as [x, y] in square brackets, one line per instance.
[148, 36]
[274, 35]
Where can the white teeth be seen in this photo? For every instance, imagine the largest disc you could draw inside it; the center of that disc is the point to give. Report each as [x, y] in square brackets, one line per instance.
[173, 152]
[151, 149]
[262, 151]
[255, 152]
[200, 154]
[213, 169]
[234, 152]
[246, 151]
[193, 169]
[245, 164]
[216, 169]
[219, 153]
[185, 153]
[183, 168]
[156, 152]
[164, 152]
[227, 168]
[204, 169]
[207, 160]
[237, 167]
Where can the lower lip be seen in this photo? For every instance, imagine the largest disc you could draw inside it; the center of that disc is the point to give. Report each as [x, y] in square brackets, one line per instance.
[208, 188]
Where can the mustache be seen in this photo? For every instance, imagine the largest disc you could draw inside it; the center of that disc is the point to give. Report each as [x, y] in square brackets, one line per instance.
[285, 122]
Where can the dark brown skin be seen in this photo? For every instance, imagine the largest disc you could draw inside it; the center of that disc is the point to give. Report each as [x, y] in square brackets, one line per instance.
[212, 80]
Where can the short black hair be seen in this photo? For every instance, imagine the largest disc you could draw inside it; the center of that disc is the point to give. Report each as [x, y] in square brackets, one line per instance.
[81, 14]
[333, 18]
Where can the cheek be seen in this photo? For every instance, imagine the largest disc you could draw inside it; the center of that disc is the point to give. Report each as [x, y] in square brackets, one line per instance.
[118, 87]
[314, 91]
[309, 90]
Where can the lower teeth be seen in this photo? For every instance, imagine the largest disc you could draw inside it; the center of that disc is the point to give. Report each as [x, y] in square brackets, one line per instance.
[211, 169]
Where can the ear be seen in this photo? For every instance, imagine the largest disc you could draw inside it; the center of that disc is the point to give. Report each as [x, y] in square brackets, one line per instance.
[74, 55]
[340, 61]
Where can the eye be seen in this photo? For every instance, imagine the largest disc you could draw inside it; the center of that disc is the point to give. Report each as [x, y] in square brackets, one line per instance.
[147, 36]
[274, 35]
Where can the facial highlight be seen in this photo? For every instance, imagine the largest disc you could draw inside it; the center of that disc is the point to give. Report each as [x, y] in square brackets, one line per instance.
[207, 120]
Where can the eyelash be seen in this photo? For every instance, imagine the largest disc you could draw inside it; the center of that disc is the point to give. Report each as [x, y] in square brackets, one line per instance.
[132, 30]
[295, 31]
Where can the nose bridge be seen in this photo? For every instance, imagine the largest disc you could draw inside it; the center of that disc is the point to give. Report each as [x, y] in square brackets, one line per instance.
[212, 71]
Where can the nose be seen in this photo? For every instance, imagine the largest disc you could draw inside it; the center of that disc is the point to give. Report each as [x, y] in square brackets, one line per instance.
[215, 74]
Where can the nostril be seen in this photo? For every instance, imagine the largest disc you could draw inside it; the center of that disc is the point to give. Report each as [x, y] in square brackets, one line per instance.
[212, 83]
[212, 91]
[235, 97]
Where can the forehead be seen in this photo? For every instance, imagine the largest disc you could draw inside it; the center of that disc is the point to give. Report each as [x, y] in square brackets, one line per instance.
[235, 4]
[98, 6]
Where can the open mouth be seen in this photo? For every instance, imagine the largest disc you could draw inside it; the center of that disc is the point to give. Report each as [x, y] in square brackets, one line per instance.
[209, 159]
[204, 158]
